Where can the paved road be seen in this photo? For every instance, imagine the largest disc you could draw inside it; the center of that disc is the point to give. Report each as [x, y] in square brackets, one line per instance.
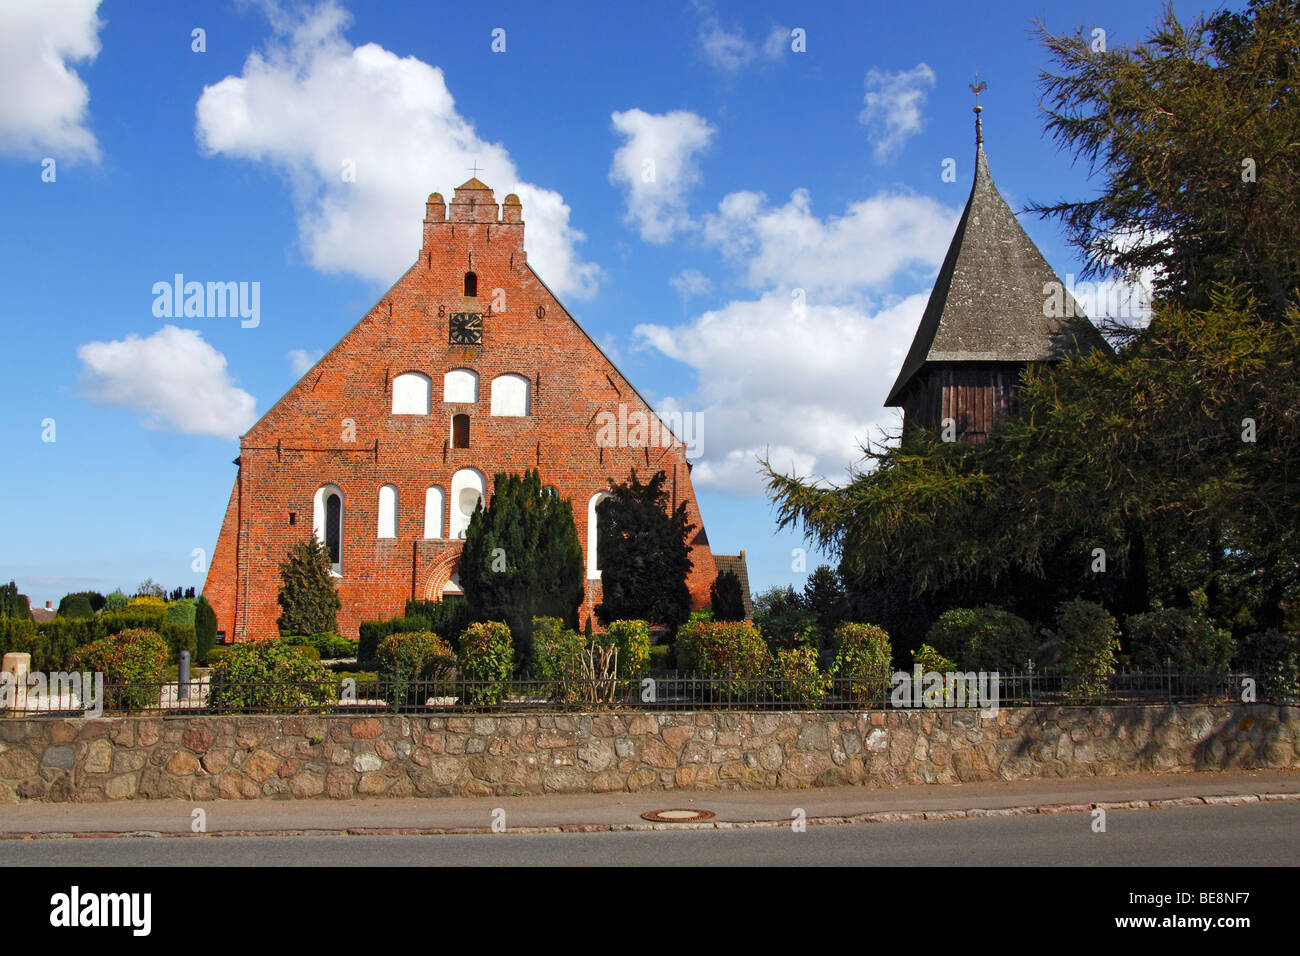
[1250, 835]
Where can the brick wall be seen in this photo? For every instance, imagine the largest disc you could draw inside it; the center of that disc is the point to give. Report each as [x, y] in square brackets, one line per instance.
[305, 441]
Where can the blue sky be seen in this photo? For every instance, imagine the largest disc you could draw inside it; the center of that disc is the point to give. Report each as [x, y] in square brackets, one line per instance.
[767, 276]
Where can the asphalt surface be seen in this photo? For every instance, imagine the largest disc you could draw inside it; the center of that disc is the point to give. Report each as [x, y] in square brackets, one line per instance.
[1257, 834]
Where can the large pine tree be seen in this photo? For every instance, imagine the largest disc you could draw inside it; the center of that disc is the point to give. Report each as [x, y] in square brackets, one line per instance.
[522, 559]
[644, 555]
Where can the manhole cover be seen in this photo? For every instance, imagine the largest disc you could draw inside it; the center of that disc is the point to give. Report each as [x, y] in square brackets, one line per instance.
[677, 816]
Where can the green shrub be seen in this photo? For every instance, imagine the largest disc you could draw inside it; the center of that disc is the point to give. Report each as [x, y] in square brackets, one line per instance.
[863, 659]
[1185, 636]
[556, 649]
[18, 635]
[183, 612]
[116, 601]
[57, 641]
[448, 616]
[132, 662]
[796, 676]
[205, 629]
[269, 677]
[415, 662]
[730, 651]
[76, 606]
[306, 651]
[486, 654]
[784, 619]
[218, 653]
[1273, 657]
[308, 599]
[372, 632]
[148, 602]
[333, 646]
[632, 638]
[984, 639]
[1087, 639]
[13, 604]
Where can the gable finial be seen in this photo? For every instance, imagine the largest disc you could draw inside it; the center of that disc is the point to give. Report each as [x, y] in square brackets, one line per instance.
[473, 169]
[977, 88]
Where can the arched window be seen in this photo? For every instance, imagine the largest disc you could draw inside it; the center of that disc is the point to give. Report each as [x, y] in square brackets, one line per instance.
[510, 395]
[471, 284]
[593, 560]
[468, 488]
[411, 394]
[327, 523]
[388, 511]
[460, 431]
[433, 502]
[453, 586]
[460, 385]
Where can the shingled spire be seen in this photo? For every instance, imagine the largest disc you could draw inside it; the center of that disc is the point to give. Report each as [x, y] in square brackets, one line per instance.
[986, 318]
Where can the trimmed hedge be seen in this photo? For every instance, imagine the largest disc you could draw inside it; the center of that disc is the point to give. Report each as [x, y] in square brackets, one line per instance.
[372, 632]
[731, 651]
[414, 661]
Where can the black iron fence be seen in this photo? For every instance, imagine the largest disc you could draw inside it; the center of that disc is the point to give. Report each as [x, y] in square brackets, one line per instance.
[345, 694]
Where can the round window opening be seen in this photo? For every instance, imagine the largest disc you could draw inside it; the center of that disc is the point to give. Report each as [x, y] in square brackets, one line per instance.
[467, 500]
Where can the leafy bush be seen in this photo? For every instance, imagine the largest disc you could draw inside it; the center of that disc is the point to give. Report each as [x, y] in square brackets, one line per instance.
[863, 658]
[372, 632]
[151, 601]
[796, 676]
[984, 639]
[729, 650]
[132, 662]
[331, 646]
[1273, 656]
[309, 602]
[1087, 639]
[1185, 636]
[268, 676]
[632, 638]
[486, 654]
[413, 659]
[205, 629]
[76, 606]
[116, 601]
[556, 649]
[183, 612]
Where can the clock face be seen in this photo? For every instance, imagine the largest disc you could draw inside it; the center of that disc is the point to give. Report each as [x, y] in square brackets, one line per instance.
[465, 328]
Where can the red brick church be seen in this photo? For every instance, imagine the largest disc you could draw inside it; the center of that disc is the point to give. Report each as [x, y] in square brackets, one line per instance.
[467, 367]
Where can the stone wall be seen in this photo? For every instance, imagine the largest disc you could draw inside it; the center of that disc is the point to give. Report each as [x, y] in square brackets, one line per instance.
[206, 758]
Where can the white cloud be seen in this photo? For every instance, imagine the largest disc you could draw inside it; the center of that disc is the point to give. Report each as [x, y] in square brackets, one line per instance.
[43, 108]
[656, 165]
[805, 390]
[691, 282]
[730, 51]
[313, 106]
[301, 360]
[892, 106]
[868, 246]
[179, 381]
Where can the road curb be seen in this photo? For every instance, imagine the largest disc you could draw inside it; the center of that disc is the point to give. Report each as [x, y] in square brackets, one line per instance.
[874, 816]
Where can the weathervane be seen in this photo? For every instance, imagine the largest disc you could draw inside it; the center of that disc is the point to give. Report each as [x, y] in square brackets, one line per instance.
[977, 88]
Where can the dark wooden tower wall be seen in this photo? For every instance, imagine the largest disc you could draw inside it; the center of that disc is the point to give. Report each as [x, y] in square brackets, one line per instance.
[975, 395]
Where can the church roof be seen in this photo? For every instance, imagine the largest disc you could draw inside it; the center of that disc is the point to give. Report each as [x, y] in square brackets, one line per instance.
[473, 183]
[987, 304]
